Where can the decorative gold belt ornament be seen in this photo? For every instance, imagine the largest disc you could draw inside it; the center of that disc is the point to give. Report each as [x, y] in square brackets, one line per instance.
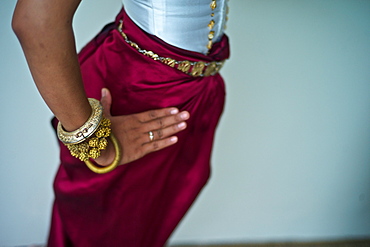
[195, 69]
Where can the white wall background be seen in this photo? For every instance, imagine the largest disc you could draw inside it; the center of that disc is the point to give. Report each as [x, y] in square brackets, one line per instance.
[292, 155]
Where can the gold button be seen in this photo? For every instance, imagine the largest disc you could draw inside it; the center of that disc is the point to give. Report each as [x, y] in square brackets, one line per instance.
[211, 24]
[211, 35]
[209, 46]
[213, 4]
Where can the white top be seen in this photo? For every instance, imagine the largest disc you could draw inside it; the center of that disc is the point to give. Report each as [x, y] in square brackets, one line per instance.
[186, 24]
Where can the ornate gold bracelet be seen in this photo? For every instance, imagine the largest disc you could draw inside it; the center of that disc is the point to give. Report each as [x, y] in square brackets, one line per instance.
[91, 147]
[86, 130]
[113, 165]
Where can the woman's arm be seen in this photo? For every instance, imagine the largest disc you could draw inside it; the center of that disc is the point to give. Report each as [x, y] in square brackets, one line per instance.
[44, 29]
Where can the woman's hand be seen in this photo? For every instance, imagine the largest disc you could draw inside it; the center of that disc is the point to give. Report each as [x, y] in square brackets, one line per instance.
[132, 131]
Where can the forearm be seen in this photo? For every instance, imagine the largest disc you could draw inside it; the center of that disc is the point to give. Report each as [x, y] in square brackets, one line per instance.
[44, 28]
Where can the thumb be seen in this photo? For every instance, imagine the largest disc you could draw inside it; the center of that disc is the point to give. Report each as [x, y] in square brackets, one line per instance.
[106, 101]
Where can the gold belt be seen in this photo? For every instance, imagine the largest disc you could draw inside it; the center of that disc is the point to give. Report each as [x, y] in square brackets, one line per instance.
[198, 68]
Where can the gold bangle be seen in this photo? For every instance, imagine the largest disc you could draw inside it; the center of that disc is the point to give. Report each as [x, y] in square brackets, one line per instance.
[113, 165]
[86, 130]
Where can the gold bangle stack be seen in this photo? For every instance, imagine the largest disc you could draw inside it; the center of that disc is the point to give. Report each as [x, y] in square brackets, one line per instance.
[91, 138]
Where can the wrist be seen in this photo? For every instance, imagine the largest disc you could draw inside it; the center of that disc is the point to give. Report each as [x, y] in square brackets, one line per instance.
[73, 122]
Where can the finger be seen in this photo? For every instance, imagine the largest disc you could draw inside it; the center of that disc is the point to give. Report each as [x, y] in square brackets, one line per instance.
[159, 113]
[106, 101]
[164, 133]
[160, 144]
[164, 122]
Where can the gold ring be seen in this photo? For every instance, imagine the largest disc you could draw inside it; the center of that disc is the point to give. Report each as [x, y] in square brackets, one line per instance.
[151, 136]
[115, 163]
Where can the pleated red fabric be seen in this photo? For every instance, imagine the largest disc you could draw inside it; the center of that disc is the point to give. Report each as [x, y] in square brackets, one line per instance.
[138, 204]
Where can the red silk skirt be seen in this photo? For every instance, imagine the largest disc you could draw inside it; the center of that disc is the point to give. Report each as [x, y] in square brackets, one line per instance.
[139, 204]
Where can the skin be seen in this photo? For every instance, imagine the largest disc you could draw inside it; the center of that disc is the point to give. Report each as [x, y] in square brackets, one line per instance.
[44, 29]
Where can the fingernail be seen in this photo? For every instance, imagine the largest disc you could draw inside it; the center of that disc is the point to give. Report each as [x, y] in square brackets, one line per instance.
[174, 111]
[173, 139]
[104, 92]
[184, 115]
[181, 125]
